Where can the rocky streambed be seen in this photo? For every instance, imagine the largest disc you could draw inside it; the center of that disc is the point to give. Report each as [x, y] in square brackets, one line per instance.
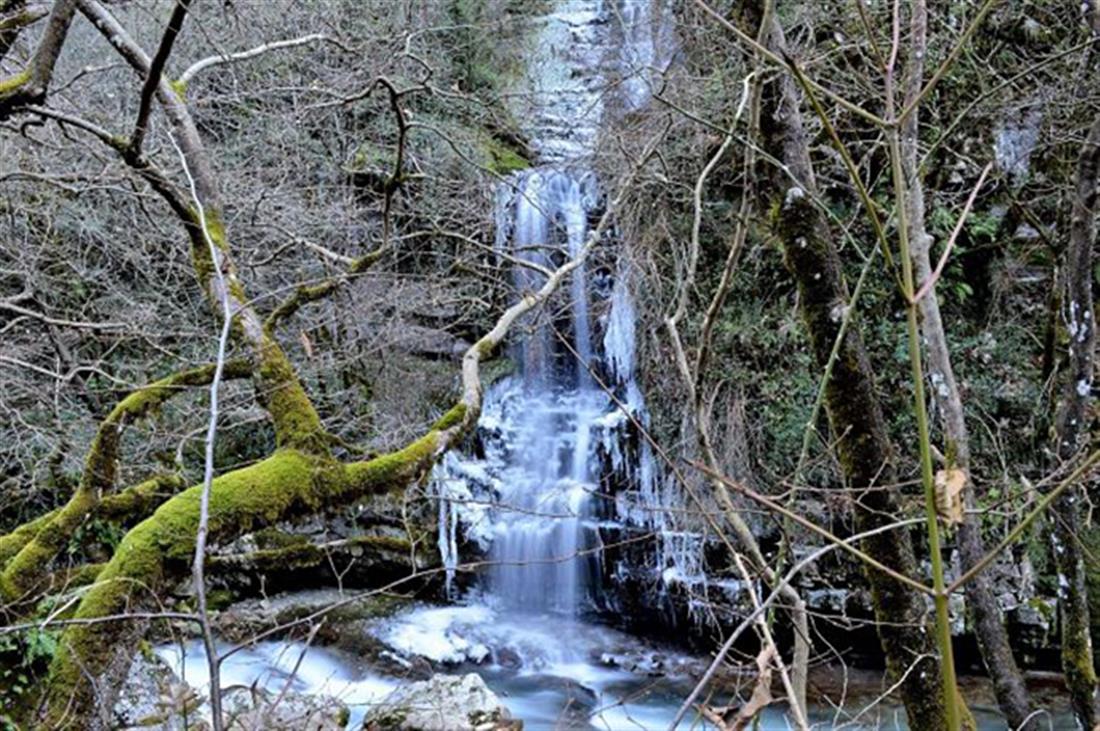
[475, 666]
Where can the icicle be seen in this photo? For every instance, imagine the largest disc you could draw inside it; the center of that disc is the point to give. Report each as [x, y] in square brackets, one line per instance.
[446, 538]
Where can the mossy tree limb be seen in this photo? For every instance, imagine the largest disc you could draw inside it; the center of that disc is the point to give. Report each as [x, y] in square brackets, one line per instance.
[154, 556]
[279, 391]
[305, 294]
[29, 86]
[16, 15]
[289, 484]
[299, 479]
[31, 564]
[132, 504]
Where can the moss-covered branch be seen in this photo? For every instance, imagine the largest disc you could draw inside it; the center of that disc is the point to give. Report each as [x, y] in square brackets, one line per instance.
[127, 507]
[15, 15]
[155, 554]
[30, 85]
[133, 503]
[290, 484]
[31, 563]
[305, 294]
[279, 390]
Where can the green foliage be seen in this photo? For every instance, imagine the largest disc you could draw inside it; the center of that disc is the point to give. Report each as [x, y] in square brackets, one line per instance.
[504, 159]
[24, 659]
[13, 83]
[95, 532]
[980, 229]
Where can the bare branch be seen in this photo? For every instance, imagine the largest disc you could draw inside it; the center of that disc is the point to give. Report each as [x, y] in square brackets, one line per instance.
[211, 61]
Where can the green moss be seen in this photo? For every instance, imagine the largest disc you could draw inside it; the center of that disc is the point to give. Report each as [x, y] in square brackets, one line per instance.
[12, 84]
[297, 425]
[83, 575]
[503, 159]
[179, 86]
[296, 552]
[394, 719]
[18, 20]
[139, 500]
[27, 569]
[218, 599]
[485, 349]
[393, 469]
[454, 417]
[200, 248]
[11, 544]
[157, 552]
[387, 543]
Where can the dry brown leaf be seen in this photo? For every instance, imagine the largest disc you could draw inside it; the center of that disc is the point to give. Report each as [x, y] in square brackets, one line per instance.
[760, 699]
[950, 484]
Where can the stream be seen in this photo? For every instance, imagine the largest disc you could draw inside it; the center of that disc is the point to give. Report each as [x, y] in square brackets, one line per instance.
[550, 671]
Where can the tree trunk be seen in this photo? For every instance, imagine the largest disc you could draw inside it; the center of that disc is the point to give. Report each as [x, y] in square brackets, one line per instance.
[855, 415]
[1008, 681]
[1071, 427]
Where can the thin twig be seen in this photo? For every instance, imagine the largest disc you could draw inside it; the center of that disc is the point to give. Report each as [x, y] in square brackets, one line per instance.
[198, 571]
[931, 281]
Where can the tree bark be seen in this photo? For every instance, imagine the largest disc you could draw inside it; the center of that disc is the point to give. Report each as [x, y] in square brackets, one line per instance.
[300, 478]
[852, 405]
[30, 85]
[1008, 681]
[23, 571]
[1071, 428]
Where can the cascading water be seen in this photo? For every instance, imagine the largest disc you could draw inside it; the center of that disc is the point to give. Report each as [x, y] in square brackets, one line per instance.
[529, 501]
[533, 501]
[539, 427]
[544, 477]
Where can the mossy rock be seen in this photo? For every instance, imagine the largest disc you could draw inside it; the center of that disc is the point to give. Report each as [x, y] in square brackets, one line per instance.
[502, 158]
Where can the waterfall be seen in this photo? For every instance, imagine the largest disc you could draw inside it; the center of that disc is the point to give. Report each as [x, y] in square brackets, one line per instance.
[545, 429]
[545, 413]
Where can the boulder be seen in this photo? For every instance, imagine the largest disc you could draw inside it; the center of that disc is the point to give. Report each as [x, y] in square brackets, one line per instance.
[442, 703]
[153, 697]
[254, 709]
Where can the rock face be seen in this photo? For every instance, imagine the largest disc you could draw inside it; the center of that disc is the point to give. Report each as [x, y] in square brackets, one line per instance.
[443, 703]
[154, 697]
